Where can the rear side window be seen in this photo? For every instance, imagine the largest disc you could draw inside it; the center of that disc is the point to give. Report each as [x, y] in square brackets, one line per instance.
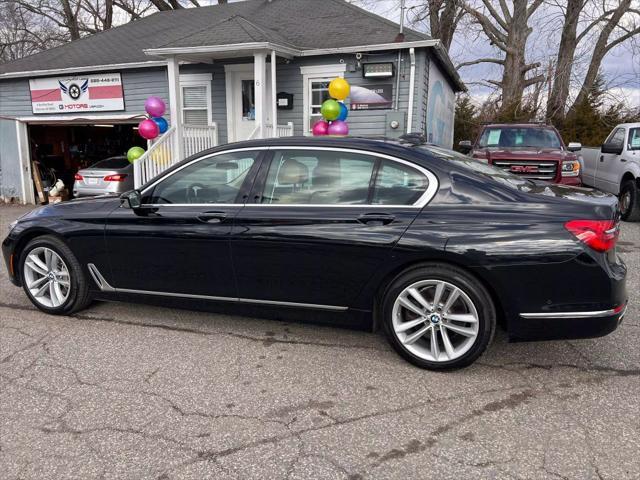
[211, 180]
[398, 184]
[318, 177]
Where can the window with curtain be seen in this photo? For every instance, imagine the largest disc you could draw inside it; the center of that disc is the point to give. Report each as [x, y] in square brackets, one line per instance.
[196, 104]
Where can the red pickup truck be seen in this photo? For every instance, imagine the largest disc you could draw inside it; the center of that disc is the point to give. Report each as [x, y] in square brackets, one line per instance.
[534, 151]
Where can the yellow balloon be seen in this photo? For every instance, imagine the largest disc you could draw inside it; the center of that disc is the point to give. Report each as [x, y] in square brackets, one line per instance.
[339, 88]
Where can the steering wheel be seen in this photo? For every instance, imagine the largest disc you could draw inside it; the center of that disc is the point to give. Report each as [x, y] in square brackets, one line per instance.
[191, 194]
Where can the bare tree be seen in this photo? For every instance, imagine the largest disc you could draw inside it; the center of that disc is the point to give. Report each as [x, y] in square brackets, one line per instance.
[508, 31]
[443, 17]
[22, 33]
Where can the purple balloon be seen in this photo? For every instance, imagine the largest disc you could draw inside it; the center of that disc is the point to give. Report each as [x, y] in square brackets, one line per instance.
[320, 128]
[148, 129]
[338, 127]
[155, 106]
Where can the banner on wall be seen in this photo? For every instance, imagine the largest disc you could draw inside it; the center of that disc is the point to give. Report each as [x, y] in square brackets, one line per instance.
[82, 93]
[441, 109]
[371, 97]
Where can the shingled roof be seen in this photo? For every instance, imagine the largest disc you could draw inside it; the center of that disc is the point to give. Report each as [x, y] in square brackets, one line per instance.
[299, 24]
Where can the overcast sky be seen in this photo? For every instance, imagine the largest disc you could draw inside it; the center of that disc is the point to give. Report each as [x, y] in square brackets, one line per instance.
[621, 73]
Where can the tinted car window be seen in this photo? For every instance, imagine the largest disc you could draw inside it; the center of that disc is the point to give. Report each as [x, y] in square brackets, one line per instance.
[112, 163]
[514, 137]
[310, 177]
[398, 184]
[215, 179]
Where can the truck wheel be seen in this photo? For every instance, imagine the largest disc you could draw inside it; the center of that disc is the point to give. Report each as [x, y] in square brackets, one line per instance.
[630, 201]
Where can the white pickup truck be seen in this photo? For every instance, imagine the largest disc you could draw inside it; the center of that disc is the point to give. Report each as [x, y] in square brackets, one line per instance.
[615, 168]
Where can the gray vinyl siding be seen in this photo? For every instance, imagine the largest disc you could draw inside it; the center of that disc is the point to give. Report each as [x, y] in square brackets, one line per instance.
[10, 184]
[138, 84]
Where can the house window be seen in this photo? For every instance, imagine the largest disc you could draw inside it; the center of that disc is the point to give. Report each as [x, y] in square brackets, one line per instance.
[196, 99]
[316, 80]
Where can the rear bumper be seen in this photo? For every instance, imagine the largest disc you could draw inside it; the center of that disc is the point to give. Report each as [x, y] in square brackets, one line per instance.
[569, 325]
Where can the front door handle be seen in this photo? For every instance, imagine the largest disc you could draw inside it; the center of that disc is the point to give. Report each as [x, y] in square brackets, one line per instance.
[623, 159]
[602, 158]
[384, 218]
[212, 217]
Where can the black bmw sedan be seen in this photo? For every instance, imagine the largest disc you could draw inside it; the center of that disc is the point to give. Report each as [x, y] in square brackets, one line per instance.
[433, 247]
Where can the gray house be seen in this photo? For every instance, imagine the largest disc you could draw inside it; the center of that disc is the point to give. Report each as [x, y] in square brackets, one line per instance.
[252, 69]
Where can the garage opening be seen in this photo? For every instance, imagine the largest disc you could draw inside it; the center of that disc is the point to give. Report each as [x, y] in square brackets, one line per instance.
[59, 152]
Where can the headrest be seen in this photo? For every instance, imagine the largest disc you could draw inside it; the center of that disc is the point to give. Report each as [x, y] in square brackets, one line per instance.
[293, 172]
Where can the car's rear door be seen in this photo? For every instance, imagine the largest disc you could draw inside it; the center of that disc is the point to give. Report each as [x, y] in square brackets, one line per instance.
[178, 242]
[317, 229]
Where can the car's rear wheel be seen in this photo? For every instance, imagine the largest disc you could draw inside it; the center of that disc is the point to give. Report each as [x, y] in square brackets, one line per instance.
[52, 277]
[438, 317]
[630, 201]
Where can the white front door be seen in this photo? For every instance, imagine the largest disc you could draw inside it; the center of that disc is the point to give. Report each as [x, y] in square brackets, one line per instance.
[241, 110]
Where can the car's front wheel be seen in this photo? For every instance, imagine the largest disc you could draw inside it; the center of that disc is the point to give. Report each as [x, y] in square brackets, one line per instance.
[52, 277]
[438, 317]
[630, 201]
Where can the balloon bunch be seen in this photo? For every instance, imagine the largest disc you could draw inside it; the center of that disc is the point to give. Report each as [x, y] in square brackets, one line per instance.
[151, 127]
[334, 111]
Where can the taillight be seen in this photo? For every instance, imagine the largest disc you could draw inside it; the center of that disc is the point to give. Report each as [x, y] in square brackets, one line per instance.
[600, 235]
[78, 177]
[119, 177]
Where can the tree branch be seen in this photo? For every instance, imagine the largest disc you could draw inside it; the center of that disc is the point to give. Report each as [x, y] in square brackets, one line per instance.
[480, 60]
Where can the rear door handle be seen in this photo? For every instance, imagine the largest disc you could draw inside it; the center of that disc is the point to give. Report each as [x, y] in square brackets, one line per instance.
[384, 218]
[212, 217]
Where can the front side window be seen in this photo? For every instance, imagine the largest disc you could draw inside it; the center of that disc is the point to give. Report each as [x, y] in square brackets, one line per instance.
[398, 184]
[309, 177]
[616, 138]
[634, 138]
[519, 137]
[212, 180]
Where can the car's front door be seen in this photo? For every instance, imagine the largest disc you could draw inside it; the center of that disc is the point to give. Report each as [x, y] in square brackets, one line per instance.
[608, 173]
[318, 229]
[178, 241]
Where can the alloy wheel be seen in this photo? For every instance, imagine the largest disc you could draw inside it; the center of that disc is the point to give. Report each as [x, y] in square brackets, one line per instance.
[47, 277]
[435, 320]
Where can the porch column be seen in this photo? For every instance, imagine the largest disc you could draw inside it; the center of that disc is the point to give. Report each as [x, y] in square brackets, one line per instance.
[274, 96]
[175, 107]
[259, 76]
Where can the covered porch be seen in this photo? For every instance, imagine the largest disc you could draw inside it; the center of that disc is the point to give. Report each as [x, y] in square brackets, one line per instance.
[250, 93]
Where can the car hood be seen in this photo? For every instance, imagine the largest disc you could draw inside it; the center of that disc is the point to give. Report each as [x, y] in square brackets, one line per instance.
[102, 204]
[556, 154]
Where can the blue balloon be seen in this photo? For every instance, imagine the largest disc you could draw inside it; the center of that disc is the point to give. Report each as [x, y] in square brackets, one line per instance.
[344, 112]
[162, 123]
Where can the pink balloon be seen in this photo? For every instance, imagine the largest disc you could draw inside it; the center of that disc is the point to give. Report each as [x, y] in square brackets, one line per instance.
[148, 129]
[320, 128]
[155, 106]
[338, 127]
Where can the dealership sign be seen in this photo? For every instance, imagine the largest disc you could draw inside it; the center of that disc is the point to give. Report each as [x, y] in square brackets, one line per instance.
[82, 93]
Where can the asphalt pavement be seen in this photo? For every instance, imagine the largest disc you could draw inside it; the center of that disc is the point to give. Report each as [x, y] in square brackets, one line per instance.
[124, 391]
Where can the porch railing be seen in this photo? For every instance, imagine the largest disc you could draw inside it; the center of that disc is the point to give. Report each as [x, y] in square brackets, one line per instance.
[161, 153]
[281, 130]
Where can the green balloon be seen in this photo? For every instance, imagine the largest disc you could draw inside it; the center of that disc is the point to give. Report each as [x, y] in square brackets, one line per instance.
[330, 110]
[134, 153]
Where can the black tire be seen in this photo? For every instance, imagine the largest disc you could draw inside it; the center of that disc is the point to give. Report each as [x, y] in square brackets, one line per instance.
[79, 296]
[629, 189]
[476, 292]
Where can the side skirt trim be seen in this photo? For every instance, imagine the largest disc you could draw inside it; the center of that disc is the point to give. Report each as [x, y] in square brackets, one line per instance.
[104, 286]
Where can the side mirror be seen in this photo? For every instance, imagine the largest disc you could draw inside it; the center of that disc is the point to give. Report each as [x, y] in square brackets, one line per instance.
[574, 146]
[613, 148]
[131, 199]
[465, 146]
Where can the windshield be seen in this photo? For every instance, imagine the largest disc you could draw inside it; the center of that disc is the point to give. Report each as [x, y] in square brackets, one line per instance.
[480, 167]
[519, 137]
[112, 163]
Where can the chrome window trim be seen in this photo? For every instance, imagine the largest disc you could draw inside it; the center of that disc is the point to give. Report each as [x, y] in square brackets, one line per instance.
[104, 286]
[560, 315]
[427, 196]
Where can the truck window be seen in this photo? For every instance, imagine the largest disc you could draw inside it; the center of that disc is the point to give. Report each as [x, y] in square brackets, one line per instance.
[519, 137]
[634, 138]
[616, 137]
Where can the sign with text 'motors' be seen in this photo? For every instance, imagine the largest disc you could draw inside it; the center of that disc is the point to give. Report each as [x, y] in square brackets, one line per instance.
[81, 93]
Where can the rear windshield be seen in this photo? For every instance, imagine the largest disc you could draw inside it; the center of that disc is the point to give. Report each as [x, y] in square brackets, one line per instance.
[479, 167]
[519, 137]
[112, 163]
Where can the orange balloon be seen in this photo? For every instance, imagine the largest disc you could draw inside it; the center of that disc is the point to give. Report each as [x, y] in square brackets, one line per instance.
[339, 88]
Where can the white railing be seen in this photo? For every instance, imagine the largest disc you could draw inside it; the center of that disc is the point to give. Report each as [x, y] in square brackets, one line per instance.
[198, 138]
[160, 154]
[156, 159]
[281, 130]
